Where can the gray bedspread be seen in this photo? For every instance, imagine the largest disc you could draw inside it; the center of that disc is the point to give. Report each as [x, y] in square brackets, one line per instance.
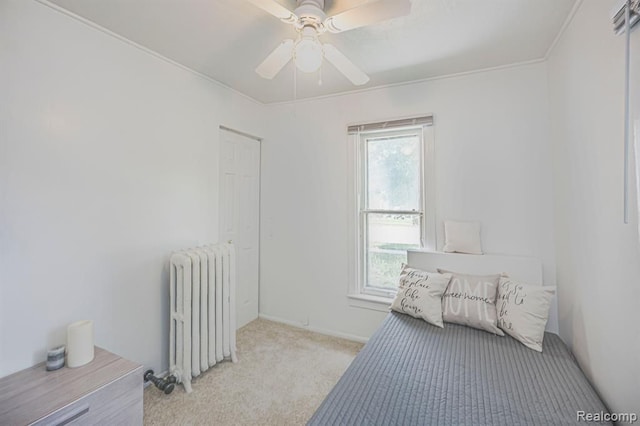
[412, 373]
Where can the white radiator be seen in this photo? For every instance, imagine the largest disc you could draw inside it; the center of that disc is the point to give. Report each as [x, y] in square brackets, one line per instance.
[203, 318]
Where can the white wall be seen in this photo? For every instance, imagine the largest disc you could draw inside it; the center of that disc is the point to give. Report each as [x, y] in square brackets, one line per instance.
[107, 164]
[492, 165]
[598, 257]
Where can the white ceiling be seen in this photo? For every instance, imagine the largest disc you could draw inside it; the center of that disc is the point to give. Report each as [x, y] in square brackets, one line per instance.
[227, 39]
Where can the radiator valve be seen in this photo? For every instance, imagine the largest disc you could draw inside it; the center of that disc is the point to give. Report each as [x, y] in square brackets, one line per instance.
[165, 385]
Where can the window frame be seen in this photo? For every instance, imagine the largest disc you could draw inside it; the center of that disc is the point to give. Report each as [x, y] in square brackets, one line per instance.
[360, 295]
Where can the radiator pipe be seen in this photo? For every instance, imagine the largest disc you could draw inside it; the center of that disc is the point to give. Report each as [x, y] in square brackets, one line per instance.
[165, 385]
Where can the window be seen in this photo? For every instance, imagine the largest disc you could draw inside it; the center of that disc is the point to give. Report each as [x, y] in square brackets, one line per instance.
[394, 211]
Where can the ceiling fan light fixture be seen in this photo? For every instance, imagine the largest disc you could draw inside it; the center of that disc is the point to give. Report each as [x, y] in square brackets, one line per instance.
[308, 52]
[310, 20]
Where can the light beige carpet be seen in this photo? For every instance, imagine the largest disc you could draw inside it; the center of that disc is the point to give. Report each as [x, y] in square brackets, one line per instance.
[282, 375]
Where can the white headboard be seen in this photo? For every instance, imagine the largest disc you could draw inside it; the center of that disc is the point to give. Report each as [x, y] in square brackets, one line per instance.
[526, 269]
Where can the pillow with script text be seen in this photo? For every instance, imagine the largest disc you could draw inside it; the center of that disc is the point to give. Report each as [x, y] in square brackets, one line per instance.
[420, 294]
[523, 311]
[471, 300]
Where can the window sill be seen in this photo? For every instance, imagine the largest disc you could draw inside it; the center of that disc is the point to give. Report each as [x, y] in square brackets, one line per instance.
[366, 301]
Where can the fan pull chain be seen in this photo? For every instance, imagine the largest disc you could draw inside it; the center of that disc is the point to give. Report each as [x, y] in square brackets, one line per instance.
[295, 82]
[320, 75]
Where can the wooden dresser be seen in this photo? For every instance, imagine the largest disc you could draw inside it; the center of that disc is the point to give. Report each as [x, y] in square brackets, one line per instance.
[108, 390]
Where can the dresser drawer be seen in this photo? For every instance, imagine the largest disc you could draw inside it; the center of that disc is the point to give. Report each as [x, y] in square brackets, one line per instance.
[119, 402]
[107, 391]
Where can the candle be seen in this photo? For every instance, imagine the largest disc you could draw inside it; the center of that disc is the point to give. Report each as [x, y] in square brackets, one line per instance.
[79, 343]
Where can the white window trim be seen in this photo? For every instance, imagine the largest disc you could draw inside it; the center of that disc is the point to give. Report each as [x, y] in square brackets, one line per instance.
[356, 296]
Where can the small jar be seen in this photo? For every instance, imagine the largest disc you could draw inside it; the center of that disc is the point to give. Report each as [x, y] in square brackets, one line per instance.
[55, 358]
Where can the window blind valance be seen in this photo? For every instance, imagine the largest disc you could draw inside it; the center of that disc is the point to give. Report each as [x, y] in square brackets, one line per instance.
[426, 120]
[619, 16]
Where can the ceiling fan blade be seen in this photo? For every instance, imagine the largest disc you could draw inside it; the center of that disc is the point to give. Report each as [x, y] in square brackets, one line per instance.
[276, 60]
[276, 9]
[344, 65]
[367, 14]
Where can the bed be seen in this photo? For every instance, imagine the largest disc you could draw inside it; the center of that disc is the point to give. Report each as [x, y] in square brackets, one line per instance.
[413, 373]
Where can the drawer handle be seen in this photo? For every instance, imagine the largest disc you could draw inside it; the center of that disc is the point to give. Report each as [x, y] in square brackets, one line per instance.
[71, 416]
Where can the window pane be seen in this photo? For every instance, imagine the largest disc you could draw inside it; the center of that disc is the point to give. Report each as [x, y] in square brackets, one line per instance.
[388, 238]
[393, 173]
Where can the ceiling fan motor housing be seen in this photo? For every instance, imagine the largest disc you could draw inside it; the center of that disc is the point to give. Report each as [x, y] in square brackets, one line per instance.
[311, 13]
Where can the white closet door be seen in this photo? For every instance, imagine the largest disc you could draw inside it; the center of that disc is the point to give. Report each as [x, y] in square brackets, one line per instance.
[240, 216]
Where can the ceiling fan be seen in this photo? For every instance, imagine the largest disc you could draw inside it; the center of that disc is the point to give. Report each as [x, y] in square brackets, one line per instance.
[310, 22]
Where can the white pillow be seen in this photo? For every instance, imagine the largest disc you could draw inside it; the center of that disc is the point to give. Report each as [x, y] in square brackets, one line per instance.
[523, 311]
[420, 294]
[462, 237]
[471, 300]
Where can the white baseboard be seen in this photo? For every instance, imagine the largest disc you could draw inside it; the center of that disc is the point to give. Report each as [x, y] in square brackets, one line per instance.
[331, 333]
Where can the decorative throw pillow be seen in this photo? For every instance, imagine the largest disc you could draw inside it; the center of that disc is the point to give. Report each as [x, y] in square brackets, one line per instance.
[523, 311]
[420, 294]
[471, 300]
[462, 237]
